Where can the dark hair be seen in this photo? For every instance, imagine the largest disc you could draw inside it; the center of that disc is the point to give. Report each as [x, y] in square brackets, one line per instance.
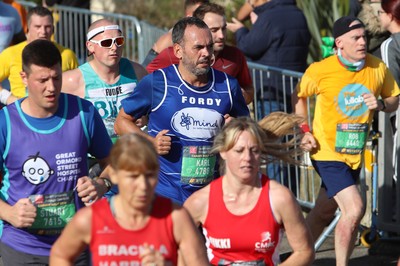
[190, 3]
[41, 53]
[392, 7]
[178, 32]
[205, 8]
[39, 11]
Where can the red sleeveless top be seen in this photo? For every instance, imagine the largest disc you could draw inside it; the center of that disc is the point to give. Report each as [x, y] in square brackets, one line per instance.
[230, 238]
[113, 245]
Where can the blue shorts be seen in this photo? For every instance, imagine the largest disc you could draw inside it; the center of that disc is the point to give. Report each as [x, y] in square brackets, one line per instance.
[335, 176]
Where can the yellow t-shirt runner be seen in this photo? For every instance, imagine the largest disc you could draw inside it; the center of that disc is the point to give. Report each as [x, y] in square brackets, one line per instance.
[342, 119]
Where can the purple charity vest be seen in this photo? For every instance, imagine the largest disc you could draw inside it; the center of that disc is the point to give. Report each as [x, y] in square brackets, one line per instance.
[44, 165]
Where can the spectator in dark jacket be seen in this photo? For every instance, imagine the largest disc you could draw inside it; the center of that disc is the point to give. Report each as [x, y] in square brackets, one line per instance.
[279, 37]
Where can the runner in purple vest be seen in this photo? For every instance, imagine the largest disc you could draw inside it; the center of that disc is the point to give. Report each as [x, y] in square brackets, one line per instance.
[44, 142]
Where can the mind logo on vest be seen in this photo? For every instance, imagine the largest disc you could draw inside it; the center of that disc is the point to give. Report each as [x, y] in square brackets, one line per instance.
[36, 169]
[197, 123]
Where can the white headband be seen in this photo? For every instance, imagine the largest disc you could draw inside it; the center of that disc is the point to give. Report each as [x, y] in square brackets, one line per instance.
[98, 30]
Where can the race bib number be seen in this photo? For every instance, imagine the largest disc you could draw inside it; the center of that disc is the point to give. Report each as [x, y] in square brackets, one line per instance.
[197, 165]
[350, 138]
[53, 212]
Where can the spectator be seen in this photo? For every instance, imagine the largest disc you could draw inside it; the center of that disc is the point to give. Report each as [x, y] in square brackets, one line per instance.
[279, 37]
[347, 87]
[40, 26]
[151, 226]
[21, 11]
[44, 142]
[390, 49]
[244, 210]
[228, 59]
[10, 26]
[374, 32]
[186, 105]
[165, 40]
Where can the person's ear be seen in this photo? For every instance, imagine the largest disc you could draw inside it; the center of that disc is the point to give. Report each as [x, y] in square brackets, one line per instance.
[178, 50]
[90, 47]
[339, 43]
[24, 77]
[223, 155]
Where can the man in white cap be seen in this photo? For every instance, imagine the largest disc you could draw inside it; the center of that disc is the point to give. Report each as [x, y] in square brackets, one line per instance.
[349, 86]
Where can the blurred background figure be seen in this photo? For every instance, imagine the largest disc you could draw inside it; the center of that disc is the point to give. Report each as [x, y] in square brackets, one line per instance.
[279, 37]
[11, 30]
[21, 11]
[244, 11]
[389, 15]
[374, 32]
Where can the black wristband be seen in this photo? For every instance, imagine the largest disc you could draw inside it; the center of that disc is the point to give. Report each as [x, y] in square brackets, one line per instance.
[106, 181]
[383, 105]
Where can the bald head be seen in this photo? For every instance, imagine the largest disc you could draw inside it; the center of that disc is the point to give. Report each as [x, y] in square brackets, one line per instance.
[100, 26]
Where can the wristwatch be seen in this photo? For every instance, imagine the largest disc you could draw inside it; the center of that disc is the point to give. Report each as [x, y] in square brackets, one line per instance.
[383, 104]
[106, 181]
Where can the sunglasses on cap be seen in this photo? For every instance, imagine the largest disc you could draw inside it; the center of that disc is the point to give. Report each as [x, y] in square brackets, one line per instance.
[109, 42]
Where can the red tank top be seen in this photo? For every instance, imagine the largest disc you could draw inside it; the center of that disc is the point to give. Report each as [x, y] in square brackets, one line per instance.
[253, 236]
[113, 245]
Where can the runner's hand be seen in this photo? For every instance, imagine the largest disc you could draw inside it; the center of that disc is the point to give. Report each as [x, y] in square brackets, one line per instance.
[162, 142]
[22, 214]
[370, 100]
[151, 257]
[308, 142]
[89, 190]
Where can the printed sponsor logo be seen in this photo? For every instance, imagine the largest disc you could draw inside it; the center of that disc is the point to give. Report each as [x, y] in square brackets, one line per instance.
[126, 250]
[265, 244]
[197, 123]
[351, 102]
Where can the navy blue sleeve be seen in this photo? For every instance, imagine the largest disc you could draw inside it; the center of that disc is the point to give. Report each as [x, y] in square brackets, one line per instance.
[147, 95]
[100, 142]
[239, 107]
[140, 101]
[253, 43]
